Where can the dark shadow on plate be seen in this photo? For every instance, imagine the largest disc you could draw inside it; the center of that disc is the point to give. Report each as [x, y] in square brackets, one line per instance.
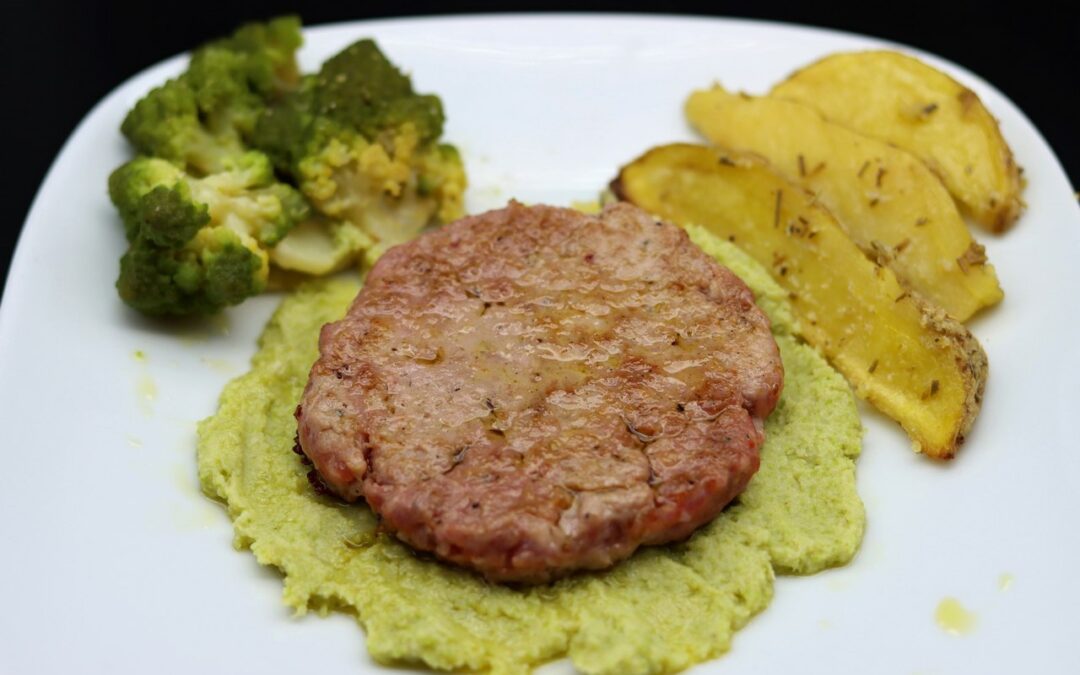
[187, 328]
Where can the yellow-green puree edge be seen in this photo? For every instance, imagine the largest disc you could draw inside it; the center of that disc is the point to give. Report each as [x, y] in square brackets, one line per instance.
[664, 609]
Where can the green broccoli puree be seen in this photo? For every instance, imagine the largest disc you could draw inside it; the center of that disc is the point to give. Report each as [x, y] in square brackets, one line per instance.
[664, 609]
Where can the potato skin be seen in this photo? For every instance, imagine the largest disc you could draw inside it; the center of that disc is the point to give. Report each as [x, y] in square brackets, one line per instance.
[901, 100]
[905, 356]
[886, 200]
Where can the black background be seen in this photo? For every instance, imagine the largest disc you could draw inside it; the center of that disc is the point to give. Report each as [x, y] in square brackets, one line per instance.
[59, 58]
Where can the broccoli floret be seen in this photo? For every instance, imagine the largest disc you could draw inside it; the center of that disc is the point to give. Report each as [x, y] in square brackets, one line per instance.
[201, 119]
[285, 128]
[361, 90]
[199, 244]
[133, 181]
[216, 268]
[261, 54]
[362, 146]
[165, 123]
[245, 196]
[204, 212]
[168, 217]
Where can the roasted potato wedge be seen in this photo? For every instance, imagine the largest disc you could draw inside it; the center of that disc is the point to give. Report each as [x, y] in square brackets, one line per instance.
[888, 202]
[902, 354]
[899, 99]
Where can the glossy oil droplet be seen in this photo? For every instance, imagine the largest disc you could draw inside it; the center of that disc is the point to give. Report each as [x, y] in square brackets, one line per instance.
[219, 365]
[145, 387]
[591, 207]
[953, 618]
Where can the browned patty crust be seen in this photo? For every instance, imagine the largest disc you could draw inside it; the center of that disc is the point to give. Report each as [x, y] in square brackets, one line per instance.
[532, 390]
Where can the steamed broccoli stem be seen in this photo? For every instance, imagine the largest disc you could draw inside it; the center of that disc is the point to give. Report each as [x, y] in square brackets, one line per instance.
[294, 209]
[248, 198]
[320, 246]
[165, 123]
[391, 189]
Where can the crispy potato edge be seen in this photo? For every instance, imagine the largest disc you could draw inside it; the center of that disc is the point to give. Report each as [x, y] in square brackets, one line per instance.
[973, 363]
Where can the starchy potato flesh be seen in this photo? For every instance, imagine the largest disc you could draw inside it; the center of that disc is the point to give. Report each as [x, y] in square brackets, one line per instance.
[901, 100]
[888, 202]
[906, 357]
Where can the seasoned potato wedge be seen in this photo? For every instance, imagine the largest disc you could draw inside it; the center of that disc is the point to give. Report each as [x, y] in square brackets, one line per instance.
[888, 202]
[906, 357]
[901, 100]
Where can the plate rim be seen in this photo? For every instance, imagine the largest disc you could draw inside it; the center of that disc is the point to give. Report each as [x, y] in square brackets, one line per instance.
[21, 257]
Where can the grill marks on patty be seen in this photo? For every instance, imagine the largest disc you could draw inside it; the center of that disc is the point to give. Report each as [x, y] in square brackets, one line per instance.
[531, 390]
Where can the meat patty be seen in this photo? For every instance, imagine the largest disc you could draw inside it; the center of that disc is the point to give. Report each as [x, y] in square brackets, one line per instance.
[532, 390]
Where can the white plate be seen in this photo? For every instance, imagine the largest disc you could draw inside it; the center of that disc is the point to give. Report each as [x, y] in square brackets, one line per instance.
[112, 561]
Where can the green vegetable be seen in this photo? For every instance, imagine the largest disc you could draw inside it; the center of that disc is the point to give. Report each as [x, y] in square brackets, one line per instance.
[244, 162]
[361, 145]
[199, 244]
[201, 119]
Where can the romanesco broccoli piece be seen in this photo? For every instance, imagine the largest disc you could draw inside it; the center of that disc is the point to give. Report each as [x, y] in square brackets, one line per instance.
[200, 120]
[237, 150]
[362, 146]
[216, 268]
[197, 245]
